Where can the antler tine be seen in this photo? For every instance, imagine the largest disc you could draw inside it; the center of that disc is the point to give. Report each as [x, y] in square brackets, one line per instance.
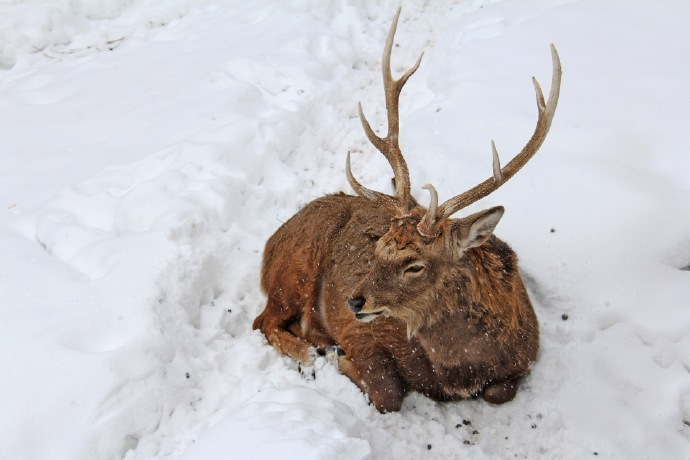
[389, 146]
[502, 175]
[371, 195]
[426, 226]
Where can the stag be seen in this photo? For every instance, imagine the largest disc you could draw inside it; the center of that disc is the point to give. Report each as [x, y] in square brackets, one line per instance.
[403, 297]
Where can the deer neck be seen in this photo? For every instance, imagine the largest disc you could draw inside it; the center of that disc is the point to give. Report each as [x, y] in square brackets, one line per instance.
[445, 342]
[482, 296]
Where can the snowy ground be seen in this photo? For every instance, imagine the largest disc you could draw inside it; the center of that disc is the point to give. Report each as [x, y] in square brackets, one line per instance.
[148, 150]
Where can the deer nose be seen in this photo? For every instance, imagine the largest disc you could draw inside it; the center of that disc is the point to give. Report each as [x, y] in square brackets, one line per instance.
[356, 303]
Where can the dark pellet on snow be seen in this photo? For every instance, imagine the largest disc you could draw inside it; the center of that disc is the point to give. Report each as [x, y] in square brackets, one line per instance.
[475, 432]
[553, 230]
[467, 443]
[466, 422]
[187, 374]
[534, 425]
[564, 317]
[458, 425]
[428, 446]
[229, 311]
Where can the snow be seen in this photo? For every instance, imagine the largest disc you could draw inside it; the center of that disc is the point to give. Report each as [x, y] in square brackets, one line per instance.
[149, 149]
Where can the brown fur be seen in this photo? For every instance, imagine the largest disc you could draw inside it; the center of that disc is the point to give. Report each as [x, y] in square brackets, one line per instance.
[417, 301]
[461, 326]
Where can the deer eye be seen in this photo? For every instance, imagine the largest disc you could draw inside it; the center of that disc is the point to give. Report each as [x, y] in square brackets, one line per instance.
[413, 269]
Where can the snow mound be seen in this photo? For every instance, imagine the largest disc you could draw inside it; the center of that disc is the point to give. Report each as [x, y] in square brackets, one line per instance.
[151, 148]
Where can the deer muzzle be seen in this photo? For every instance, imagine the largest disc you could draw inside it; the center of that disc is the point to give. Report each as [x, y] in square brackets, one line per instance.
[356, 303]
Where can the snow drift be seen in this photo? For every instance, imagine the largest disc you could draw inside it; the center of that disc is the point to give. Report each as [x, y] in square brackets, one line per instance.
[149, 150]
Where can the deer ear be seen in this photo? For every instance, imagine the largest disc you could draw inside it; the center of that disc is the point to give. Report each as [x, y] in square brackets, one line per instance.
[474, 230]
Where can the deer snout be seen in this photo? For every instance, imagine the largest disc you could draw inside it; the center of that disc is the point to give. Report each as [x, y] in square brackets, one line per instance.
[356, 303]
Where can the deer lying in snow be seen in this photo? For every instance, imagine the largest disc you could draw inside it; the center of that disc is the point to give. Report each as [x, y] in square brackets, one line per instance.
[410, 299]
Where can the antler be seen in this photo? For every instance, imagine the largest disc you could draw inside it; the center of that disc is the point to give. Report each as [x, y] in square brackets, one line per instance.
[429, 224]
[388, 145]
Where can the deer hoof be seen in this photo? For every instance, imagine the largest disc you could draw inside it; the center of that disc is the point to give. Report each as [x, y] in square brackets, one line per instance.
[308, 372]
[333, 354]
[337, 349]
[500, 393]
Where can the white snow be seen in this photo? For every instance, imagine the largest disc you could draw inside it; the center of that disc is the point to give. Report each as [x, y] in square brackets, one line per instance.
[149, 149]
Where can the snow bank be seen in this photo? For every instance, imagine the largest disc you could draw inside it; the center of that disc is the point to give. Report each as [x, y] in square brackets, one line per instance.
[150, 149]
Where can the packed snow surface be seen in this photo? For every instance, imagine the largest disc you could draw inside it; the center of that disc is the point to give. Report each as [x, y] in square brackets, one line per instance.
[149, 149]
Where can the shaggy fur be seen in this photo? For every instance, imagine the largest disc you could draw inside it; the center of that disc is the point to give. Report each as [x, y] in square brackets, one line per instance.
[446, 316]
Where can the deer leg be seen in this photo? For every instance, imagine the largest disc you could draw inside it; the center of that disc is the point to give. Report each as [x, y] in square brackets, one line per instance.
[288, 344]
[310, 328]
[499, 393]
[377, 377]
[280, 328]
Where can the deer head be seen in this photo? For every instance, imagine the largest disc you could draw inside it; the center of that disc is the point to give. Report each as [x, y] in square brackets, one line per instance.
[425, 249]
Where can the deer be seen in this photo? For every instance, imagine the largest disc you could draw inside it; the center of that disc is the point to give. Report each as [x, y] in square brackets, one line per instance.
[402, 297]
